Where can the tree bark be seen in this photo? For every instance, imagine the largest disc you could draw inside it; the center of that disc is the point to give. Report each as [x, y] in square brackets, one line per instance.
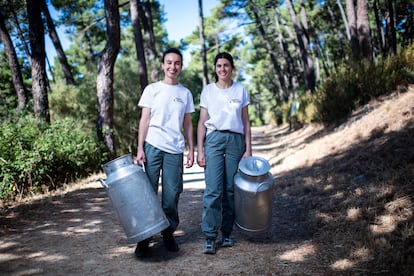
[145, 15]
[19, 30]
[364, 31]
[291, 38]
[149, 27]
[352, 26]
[38, 64]
[391, 33]
[203, 42]
[67, 71]
[105, 78]
[346, 24]
[308, 70]
[17, 77]
[272, 54]
[341, 37]
[380, 41]
[139, 45]
[292, 79]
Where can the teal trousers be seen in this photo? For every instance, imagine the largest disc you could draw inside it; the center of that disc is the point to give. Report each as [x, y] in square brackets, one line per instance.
[170, 167]
[223, 151]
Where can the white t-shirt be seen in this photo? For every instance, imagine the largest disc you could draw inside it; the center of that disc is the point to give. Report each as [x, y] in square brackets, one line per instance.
[224, 107]
[168, 104]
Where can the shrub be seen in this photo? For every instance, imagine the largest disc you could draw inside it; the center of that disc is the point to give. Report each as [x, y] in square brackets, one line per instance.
[336, 98]
[305, 111]
[33, 159]
[356, 84]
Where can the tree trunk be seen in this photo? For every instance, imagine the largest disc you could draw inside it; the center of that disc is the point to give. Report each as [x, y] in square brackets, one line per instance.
[145, 15]
[341, 37]
[105, 78]
[352, 26]
[310, 73]
[364, 31]
[291, 38]
[292, 79]
[380, 41]
[391, 33]
[149, 26]
[318, 55]
[139, 45]
[17, 77]
[38, 64]
[67, 71]
[19, 30]
[341, 10]
[203, 42]
[308, 70]
[272, 54]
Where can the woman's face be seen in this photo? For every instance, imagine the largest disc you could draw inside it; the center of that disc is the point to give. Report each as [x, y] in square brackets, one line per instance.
[172, 65]
[223, 69]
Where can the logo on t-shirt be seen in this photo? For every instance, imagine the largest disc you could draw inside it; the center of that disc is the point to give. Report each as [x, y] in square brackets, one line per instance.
[236, 101]
[178, 100]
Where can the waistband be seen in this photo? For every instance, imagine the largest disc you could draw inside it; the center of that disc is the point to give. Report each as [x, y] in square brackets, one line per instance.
[227, 131]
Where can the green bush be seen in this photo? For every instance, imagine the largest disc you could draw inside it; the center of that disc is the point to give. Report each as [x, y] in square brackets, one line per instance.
[35, 159]
[356, 84]
[336, 98]
[305, 111]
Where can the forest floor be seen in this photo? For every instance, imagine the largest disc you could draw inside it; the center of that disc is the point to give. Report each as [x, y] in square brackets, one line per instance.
[343, 205]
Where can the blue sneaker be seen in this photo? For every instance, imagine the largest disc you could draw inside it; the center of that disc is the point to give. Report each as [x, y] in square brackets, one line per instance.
[227, 242]
[209, 246]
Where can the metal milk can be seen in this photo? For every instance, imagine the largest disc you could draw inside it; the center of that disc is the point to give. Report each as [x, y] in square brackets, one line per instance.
[253, 195]
[135, 202]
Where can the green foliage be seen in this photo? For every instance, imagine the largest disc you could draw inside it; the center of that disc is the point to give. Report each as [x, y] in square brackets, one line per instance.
[302, 114]
[35, 159]
[408, 61]
[76, 102]
[127, 91]
[307, 109]
[355, 85]
[336, 98]
[8, 98]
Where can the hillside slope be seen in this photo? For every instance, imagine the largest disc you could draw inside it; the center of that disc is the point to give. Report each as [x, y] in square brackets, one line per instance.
[356, 183]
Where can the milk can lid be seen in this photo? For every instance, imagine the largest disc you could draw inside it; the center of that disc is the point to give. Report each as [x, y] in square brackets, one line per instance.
[254, 166]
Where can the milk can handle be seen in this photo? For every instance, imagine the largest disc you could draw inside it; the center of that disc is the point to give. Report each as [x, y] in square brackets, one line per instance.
[142, 165]
[258, 186]
[261, 184]
[103, 183]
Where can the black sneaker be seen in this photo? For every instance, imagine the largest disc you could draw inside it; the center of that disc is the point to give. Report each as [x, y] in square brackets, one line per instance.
[170, 243]
[142, 248]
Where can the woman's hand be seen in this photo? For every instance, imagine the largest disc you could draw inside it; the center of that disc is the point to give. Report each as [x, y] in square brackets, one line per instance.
[140, 157]
[190, 160]
[201, 160]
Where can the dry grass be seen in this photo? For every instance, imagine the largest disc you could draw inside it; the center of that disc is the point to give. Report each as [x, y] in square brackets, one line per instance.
[356, 180]
[80, 184]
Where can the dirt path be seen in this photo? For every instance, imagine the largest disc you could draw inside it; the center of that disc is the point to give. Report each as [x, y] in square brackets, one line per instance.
[76, 232]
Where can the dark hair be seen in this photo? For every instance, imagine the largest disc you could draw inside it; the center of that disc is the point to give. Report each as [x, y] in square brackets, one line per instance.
[222, 55]
[172, 50]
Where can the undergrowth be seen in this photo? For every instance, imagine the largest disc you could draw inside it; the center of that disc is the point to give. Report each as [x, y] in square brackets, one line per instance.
[355, 84]
[35, 158]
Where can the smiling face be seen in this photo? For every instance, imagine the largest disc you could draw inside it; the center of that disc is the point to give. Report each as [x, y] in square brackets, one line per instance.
[224, 69]
[172, 66]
